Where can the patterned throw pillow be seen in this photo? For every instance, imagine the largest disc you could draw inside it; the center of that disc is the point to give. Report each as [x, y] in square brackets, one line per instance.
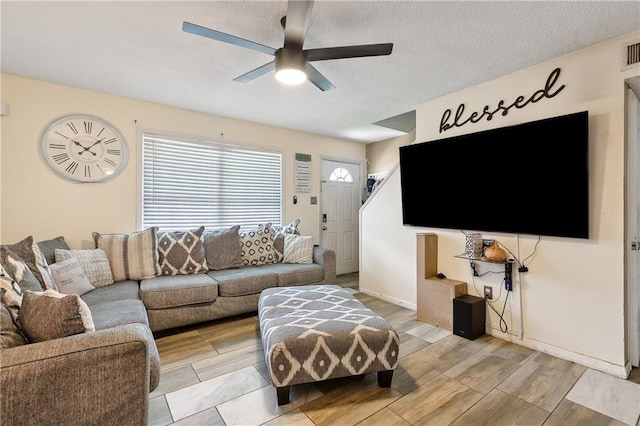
[70, 278]
[18, 270]
[181, 252]
[278, 236]
[10, 334]
[30, 253]
[257, 246]
[50, 315]
[10, 294]
[298, 249]
[132, 256]
[223, 248]
[94, 263]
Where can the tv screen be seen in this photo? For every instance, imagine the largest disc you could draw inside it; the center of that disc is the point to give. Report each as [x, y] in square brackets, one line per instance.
[530, 178]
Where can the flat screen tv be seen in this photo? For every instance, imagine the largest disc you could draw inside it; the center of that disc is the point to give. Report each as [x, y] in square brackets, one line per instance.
[531, 178]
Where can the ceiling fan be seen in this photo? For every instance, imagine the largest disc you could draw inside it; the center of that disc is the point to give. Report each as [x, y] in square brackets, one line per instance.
[291, 61]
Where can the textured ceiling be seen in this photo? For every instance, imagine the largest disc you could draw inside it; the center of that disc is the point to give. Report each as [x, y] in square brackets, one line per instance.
[138, 50]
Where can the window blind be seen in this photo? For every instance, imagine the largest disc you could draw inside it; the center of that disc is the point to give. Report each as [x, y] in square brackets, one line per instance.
[191, 183]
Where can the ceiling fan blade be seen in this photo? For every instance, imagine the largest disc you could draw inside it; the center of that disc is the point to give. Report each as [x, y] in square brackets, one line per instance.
[255, 73]
[318, 80]
[356, 51]
[297, 22]
[226, 38]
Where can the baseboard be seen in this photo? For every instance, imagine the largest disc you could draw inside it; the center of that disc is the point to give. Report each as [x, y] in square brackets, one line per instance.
[621, 371]
[411, 306]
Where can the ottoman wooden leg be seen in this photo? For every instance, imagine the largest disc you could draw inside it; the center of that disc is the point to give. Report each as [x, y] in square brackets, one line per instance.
[283, 395]
[384, 378]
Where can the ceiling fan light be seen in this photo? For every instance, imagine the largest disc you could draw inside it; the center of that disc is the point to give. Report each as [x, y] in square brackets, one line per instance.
[291, 76]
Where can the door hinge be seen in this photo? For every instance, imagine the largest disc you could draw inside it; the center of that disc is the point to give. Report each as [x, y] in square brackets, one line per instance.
[635, 245]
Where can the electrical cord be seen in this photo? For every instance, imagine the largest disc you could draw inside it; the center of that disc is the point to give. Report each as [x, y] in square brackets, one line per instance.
[503, 323]
[534, 251]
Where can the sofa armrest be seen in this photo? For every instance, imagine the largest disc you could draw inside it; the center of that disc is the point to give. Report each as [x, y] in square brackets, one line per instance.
[91, 378]
[327, 258]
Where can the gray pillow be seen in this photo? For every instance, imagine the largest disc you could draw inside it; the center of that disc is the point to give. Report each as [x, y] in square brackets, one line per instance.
[48, 248]
[30, 253]
[18, 270]
[181, 252]
[50, 315]
[10, 334]
[223, 249]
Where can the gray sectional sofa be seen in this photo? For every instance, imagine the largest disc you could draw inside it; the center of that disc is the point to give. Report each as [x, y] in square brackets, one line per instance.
[105, 376]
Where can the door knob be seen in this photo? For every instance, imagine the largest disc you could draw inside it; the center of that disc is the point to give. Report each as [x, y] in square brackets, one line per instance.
[324, 228]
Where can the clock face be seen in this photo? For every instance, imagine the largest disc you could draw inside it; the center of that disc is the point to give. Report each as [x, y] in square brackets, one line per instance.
[84, 148]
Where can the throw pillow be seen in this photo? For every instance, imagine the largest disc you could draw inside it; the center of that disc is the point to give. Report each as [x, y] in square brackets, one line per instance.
[223, 248]
[257, 246]
[181, 252]
[10, 293]
[278, 235]
[50, 315]
[298, 249]
[70, 277]
[30, 253]
[18, 270]
[94, 263]
[132, 256]
[48, 248]
[10, 334]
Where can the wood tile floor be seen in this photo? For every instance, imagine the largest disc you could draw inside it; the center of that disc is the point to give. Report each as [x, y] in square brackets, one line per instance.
[214, 374]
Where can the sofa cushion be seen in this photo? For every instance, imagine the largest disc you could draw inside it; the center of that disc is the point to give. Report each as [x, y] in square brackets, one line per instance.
[223, 248]
[132, 256]
[257, 246]
[181, 252]
[30, 253]
[48, 248]
[114, 314]
[51, 315]
[94, 262]
[243, 281]
[121, 290]
[10, 334]
[180, 290]
[293, 274]
[70, 277]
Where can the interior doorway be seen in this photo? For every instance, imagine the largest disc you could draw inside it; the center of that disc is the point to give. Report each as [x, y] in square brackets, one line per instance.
[341, 191]
[632, 248]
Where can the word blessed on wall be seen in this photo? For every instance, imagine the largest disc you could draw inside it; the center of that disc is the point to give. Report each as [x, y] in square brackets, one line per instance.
[520, 102]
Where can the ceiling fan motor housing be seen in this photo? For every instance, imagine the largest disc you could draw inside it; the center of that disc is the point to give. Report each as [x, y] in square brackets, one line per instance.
[287, 58]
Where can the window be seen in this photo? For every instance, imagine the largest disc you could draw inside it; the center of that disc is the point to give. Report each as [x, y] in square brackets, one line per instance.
[190, 183]
[340, 175]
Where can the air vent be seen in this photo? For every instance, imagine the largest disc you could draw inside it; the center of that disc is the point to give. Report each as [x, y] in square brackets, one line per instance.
[631, 55]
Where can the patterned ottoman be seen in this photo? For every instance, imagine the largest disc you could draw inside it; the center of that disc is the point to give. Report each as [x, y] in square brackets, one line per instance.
[319, 332]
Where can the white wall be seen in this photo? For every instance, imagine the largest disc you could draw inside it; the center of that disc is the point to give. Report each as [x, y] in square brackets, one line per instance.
[573, 296]
[37, 202]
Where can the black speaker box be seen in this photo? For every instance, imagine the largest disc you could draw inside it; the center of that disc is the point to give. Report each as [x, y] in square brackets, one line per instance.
[469, 316]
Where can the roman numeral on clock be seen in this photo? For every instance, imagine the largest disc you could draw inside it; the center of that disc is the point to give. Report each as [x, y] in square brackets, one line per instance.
[113, 151]
[110, 162]
[60, 134]
[57, 146]
[87, 171]
[72, 127]
[60, 158]
[108, 141]
[71, 168]
[87, 126]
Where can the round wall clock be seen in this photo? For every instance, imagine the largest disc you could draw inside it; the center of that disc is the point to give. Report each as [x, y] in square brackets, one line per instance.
[84, 148]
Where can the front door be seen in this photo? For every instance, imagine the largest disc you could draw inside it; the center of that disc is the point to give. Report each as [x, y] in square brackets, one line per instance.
[339, 213]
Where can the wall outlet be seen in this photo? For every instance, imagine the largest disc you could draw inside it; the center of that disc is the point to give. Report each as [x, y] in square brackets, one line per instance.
[488, 292]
